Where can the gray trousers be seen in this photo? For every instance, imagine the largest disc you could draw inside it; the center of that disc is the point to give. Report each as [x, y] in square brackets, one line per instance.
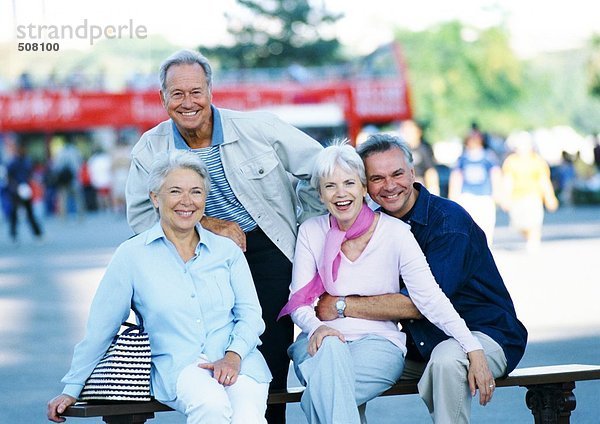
[342, 376]
[443, 383]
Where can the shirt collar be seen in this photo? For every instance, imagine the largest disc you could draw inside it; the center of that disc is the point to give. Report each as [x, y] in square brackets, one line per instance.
[420, 210]
[157, 232]
[217, 135]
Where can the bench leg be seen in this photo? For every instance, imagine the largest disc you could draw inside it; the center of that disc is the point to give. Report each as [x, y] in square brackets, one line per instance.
[551, 403]
[128, 419]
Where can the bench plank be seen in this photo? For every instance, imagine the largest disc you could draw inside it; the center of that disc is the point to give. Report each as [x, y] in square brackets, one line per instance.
[549, 395]
[86, 410]
[550, 374]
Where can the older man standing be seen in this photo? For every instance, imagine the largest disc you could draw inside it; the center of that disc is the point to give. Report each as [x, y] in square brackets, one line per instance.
[251, 157]
[463, 266]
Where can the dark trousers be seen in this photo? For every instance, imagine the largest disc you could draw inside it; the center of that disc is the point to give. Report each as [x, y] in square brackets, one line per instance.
[17, 202]
[272, 274]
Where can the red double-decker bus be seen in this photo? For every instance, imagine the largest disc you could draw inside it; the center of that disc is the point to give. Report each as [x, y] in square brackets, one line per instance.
[371, 90]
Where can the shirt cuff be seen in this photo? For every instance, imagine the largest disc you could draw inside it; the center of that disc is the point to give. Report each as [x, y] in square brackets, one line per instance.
[239, 346]
[472, 345]
[73, 390]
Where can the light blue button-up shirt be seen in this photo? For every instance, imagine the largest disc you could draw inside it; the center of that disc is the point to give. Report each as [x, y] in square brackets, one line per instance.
[204, 306]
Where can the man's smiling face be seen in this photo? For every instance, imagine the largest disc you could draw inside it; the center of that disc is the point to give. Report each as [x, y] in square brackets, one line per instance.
[187, 97]
[390, 181]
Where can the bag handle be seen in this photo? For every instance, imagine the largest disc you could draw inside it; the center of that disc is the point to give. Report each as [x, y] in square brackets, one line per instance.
[139, 317]
[132, 326]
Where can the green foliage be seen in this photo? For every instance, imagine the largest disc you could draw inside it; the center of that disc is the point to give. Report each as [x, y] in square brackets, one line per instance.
[459, 75]
[593, 67]
[277, 33]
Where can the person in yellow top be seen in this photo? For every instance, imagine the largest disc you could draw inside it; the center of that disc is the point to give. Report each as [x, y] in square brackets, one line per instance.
[528, 189]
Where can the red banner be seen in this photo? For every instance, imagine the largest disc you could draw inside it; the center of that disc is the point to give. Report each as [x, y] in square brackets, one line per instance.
[45, 111]
[363, 102]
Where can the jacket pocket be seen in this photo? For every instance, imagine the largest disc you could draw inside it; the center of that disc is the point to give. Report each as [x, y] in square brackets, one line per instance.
[262, 172]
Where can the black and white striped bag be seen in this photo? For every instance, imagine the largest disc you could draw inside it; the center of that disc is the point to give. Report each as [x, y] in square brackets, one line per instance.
[123, 374]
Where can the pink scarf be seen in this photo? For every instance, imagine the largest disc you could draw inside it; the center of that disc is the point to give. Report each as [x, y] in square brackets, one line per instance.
[327, 269]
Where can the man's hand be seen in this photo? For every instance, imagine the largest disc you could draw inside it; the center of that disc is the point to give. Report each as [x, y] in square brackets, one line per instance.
[384, 307]
[225, 370]
[325, 309]
[227, 229]
[57, 406]
[480, 377]
[320, 333]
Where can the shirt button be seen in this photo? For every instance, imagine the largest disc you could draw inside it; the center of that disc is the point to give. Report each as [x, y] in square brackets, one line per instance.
[198, 321]
[411, 321]
[422, 344]
[193, 295]
[261, 171]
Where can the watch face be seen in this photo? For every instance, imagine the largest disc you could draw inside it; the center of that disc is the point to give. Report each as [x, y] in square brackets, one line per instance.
[340, 304]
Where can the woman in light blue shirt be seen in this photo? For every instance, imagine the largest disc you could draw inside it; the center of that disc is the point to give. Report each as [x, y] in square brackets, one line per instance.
[195, 293]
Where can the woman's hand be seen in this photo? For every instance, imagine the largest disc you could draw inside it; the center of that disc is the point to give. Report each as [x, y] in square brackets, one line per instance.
[57, 406]
[320, 333]
[480, 377]
[225, 370]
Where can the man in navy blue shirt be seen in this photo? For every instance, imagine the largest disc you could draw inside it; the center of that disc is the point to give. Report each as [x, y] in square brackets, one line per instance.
[19, 173]
[462, 264]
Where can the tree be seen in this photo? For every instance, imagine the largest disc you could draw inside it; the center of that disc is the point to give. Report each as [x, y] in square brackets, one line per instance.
[593, 67]
[277, 33]
[459, 75]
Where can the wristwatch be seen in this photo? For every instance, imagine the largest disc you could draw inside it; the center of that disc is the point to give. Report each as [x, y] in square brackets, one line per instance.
[340, 305]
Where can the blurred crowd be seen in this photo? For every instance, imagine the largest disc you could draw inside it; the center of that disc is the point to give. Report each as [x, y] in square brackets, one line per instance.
[70, 184]
[486, 173]
[79, 80]
[489, 172]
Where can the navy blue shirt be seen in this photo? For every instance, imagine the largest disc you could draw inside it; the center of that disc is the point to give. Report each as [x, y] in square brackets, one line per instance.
[462, 264]
[19, 171]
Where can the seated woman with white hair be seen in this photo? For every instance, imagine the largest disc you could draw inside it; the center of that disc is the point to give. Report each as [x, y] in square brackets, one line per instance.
[354, 251]
[195, 294]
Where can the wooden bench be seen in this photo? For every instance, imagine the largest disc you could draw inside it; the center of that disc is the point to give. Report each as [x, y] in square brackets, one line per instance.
[549, 396]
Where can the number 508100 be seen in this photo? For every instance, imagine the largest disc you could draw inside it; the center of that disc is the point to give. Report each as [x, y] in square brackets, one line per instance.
[41, 47]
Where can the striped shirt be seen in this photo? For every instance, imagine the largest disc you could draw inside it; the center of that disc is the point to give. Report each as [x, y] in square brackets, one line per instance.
[221, 202]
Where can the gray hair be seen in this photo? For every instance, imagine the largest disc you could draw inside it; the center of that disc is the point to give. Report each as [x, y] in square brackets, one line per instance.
[379, 143]
[185, 57]
[166, 162]
[341, 154]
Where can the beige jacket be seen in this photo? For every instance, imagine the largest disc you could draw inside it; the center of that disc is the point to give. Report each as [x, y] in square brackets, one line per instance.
[261, 155]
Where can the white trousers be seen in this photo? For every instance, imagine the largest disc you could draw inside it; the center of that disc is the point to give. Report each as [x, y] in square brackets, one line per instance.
[204, 401]
[443, 383]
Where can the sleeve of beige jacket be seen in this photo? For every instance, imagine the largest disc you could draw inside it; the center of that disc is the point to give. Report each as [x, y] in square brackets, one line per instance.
[140, 212]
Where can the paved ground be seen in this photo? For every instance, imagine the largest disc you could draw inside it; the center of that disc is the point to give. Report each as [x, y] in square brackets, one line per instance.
[45, 291]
